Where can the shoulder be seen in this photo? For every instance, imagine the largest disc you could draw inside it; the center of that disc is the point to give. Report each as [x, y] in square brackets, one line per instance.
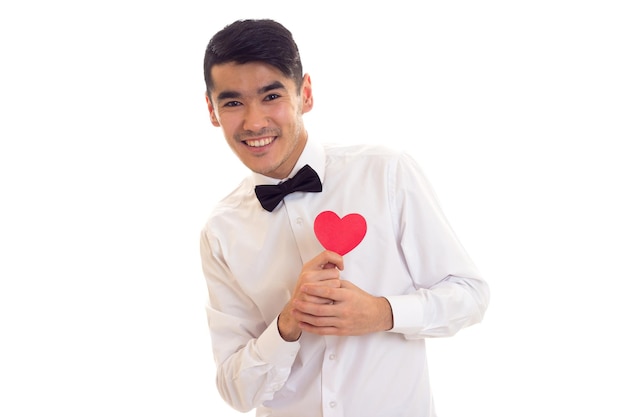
[361, 151]
[235, 205]
[371, 156]
[367, 153]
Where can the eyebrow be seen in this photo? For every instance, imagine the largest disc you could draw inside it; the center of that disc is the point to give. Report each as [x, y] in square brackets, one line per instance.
[276, 85]
[226, 95]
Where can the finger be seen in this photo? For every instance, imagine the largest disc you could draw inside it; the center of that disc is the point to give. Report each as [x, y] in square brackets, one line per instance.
[322, 291]
[313, 299]
[321, 275]
[329, 257]
[318, 322]
[322, 331]
[312, 313]
[318, 297]
[330, 283]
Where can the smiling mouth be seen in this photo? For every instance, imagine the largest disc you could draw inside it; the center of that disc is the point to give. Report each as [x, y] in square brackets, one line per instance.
[258, 143]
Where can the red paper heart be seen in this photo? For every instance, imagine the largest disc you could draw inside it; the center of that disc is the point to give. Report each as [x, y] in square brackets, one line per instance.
[339, 235]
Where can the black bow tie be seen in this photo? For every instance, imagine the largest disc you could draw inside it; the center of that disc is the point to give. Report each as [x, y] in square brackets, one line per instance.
[305, 180]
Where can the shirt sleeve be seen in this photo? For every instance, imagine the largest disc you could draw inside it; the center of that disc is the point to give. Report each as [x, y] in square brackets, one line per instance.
[450, 293]
[252, 359]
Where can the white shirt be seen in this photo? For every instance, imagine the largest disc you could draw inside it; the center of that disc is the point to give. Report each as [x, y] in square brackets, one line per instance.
[252, 259]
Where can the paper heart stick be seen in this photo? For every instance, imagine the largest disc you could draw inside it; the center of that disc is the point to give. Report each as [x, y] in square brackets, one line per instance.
[339, 235]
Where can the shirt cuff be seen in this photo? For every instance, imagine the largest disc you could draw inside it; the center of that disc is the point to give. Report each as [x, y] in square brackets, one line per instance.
[408, 315]
[274, 349]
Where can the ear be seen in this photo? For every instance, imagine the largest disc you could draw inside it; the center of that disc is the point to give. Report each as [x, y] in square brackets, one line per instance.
[306, 92]
[212, 114]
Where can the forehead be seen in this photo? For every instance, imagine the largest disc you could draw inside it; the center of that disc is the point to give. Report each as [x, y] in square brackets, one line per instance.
[247, 79]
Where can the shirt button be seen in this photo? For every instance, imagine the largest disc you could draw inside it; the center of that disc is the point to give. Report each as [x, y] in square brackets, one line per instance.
[332, 356]
[299, 221]
[332, 404]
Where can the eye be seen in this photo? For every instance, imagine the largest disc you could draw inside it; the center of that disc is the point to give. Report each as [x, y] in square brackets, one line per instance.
[232, 104]
[271, 97]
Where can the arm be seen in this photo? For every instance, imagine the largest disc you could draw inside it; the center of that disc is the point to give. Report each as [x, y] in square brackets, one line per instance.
[441, 310]
[254, 358]
[449, 292]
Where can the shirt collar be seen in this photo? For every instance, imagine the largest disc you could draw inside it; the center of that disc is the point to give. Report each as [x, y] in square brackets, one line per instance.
[313, 155]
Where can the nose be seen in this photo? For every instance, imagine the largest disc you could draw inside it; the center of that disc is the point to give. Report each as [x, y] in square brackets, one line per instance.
[255, 117]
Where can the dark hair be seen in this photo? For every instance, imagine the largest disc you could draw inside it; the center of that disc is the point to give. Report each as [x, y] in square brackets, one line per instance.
[251, 40]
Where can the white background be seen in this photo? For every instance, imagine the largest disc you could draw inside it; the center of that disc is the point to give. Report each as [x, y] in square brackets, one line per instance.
[109, 167]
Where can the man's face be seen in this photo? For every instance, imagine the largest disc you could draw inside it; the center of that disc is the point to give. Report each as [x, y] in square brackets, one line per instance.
[260, 113]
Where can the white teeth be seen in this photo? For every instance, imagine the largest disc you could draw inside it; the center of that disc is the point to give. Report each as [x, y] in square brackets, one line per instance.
[257, 143]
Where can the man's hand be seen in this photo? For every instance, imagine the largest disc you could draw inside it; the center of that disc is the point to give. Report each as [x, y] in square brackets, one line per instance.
[321, 271]
[351, 312]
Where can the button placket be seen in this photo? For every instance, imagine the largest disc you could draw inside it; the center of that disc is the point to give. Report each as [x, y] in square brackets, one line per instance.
[302, 229]
[331, 379]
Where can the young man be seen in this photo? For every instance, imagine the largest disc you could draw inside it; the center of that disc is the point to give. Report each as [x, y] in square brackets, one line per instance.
[298, 330]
